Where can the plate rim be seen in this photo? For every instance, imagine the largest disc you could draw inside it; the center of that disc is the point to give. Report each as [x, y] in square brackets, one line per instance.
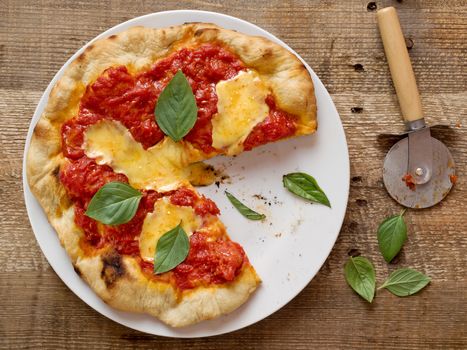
[123, 26]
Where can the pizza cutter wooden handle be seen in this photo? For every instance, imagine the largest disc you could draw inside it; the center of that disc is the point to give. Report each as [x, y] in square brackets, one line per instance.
[399, 64]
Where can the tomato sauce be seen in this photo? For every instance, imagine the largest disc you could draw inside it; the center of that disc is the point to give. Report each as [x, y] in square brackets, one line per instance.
[209, 262]
[130, 99]
[83, 178]
[202, 205]
[183, 197]
[409, 181]
[277, 125]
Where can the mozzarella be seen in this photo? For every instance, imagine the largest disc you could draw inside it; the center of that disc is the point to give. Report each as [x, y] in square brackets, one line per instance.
[162, 167]
[241, 105]
[165, 217]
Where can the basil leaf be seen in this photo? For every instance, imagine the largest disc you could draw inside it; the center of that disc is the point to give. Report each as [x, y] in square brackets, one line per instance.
[176, 111]
[305, 186]
[243, 209]
[115, 203]
[405, 282]
[392, 233]
[172, 249]
[360, 275]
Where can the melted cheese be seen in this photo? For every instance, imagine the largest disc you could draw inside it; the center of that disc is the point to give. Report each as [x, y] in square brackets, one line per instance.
[162, 167]
[165, 217]
[241, 105]
[202, 174]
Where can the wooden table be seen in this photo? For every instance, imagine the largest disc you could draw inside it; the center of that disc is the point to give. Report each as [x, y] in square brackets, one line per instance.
[340, 40]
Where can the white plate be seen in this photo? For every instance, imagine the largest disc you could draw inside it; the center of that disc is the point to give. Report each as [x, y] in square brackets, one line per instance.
[287, 249]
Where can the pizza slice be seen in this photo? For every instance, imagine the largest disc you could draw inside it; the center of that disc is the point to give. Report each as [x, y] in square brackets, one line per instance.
[99, 127]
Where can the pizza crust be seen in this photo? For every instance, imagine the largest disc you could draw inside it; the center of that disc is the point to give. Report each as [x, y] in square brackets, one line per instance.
[138, 48]
[119, 283]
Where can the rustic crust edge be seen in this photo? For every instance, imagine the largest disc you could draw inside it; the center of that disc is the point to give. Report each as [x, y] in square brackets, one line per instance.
[130, 290]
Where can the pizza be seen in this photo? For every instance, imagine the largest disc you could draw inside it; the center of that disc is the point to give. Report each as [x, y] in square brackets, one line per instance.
[99, 128]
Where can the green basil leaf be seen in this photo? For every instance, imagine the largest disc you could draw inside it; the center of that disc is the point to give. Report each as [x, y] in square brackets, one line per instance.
[360, 275]
[305, 186]
[392, 233]
[176, 111]
[405, 282]
[171, 250]
[243, 209]
[115, 203]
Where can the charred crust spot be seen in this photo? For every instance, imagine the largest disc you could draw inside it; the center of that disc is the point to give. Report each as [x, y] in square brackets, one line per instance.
[81, 57]
[77, 270]
[40, 131]
[56, 171]
[112, 268]
[163, 35]
[112, 37]
[200, 32]
[267, 53]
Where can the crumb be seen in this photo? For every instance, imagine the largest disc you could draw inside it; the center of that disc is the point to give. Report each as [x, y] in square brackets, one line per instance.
[225, 179]
[259, 196]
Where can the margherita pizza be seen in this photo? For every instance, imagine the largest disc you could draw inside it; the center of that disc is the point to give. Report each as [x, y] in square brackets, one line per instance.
[101, 127]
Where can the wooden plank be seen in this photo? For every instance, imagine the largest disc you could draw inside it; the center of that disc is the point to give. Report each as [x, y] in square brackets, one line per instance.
[341, 42]
[45, 314]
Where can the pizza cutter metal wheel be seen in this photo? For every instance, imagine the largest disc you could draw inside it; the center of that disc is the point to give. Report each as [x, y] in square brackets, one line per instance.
[419, 170]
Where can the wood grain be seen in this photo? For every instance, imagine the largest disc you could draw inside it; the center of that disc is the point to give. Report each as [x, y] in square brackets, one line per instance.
[340, 41]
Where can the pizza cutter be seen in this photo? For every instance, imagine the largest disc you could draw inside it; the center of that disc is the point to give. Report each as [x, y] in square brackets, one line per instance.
[418, 170]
